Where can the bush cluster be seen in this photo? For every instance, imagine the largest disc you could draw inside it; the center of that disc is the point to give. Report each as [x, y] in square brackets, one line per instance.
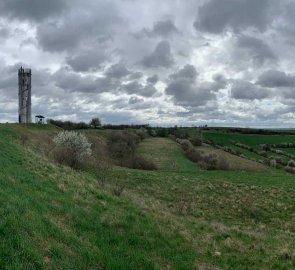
[283, 145]
[71, 148]
[235, 152]
[68, 125]
[290, 168]
[207, 161]
[139, 163]
[184, 143]
[122, 146]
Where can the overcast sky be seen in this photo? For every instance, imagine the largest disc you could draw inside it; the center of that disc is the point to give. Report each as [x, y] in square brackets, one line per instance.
[184, 62]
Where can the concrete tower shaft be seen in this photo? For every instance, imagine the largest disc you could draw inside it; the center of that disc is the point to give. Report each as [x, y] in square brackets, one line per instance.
[24, 95]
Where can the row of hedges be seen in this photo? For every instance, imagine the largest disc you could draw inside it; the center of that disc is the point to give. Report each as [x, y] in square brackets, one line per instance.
[282, 145]
[205, 161]
[273, 161]
[234, 152]
[94, 123]
[282, 153]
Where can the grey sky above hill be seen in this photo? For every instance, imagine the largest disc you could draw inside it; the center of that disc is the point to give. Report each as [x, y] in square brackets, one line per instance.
[215, 62]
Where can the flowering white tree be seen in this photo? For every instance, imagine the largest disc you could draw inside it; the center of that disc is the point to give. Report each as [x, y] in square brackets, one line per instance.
[73, 147]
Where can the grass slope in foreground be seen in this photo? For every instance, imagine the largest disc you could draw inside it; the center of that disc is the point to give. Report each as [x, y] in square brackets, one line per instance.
[176, 218]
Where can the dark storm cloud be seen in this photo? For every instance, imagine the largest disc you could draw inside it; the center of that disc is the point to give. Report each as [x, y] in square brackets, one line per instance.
[257, 49]
[187, 91]
[248, 91]
[275, 78]
[87, 61]
[139, 89]
[74, 82]
[287, 93]
[216, 16]
[31, 9]
[188, 73]
[135, 100]
[153, 79]
[135, 75]
[4, 32]
[117, 71]
[161, 57]
[93, 25]
[165, 28]
[106, 84]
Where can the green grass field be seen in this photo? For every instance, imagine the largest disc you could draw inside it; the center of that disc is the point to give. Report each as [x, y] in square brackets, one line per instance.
[251, 140]
[178, 217]
[228, 139]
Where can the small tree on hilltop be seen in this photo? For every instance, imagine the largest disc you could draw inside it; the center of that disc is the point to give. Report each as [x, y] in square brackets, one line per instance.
[95, 122]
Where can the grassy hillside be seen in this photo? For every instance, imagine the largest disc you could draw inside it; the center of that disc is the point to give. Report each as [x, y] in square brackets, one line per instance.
[178, 217]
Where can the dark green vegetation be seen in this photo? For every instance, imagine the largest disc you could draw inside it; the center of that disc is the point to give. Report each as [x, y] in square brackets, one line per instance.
[178, 217]
[255, 142]
[251, 140]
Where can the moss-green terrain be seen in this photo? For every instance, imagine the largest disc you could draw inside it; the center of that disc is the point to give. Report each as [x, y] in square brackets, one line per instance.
[254, 141]
[178, 217]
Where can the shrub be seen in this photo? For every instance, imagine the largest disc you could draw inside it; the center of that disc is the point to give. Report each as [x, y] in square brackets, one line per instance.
[152, 132]
[194, 155]
[265, 147]
[71, 148]
[273, 163]
[161, 132]
[180, 133]
[141, 133]
[185, 144]
[291, 163]
[68, 125]
[223, 164]
[262, 153]
[196, 141]
[290, 169]
[209, 162]
[121, 149]
[122, 144]
[140, 163]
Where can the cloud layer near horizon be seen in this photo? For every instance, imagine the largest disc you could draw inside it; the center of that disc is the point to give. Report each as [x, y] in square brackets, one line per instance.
[219, 62]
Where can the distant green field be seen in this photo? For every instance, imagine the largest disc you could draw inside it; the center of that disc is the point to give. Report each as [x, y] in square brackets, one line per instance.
[251, 140]
[227, 139]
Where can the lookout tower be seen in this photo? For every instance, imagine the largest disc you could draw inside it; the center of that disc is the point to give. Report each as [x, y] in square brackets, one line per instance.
[24, 95]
